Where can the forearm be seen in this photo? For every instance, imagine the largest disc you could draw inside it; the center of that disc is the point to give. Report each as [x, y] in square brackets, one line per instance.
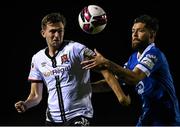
[22, 106]
[114, 85]
[32, 101]
[127, 75]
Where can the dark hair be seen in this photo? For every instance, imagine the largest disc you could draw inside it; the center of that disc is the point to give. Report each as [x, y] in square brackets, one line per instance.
[150, 22]
[52, 18]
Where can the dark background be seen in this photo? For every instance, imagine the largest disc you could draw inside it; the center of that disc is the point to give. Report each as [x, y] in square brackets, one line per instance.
[20, 39]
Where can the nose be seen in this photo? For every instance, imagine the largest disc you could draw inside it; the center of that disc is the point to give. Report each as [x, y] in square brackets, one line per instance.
[56, 34]
[134, 34]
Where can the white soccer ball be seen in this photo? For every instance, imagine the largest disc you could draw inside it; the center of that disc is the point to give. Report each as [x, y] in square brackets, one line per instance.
[92, 19]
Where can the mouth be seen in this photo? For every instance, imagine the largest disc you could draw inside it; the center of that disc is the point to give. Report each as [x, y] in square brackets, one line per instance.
[56, 40]
[135, 41]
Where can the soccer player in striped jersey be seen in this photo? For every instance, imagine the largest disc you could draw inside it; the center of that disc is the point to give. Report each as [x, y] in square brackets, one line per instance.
[59, 68]
[148, 70]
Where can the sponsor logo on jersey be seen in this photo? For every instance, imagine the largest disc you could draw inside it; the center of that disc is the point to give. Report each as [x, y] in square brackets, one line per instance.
[152, 57]
[149, 61]
[56, 71]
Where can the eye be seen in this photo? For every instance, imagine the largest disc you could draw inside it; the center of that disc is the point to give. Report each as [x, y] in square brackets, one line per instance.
[132, 30]
[60, 31]
[52, 31]
[141, 30]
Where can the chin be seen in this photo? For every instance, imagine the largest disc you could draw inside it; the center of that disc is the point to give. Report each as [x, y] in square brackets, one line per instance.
[134, 45]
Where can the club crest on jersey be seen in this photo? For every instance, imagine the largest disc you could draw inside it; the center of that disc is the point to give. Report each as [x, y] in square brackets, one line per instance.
[140, 88]
[64, 59]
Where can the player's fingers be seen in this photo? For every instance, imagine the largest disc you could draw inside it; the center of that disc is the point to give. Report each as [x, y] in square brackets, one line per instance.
[20, 107]
[128, 100]
[89, 66]
[19, 110]
[95, 50]
[17, 104]
[87, 61]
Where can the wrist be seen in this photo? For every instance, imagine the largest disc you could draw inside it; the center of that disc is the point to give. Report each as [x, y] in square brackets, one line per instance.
[25, 105]
[106, 63]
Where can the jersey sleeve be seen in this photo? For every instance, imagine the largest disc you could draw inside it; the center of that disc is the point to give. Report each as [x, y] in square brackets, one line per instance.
[34, 74]
[149, 62]
[87, 53]
[84, 52]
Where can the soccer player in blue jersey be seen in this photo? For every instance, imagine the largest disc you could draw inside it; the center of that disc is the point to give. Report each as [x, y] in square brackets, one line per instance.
[147, 69]
[58, 67]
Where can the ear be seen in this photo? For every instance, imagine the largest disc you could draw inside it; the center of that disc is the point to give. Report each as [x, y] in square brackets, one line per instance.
[43, 33]
[152, 34]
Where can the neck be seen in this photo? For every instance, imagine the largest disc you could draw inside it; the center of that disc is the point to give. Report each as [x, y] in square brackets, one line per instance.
[140, 51]
[52, 51]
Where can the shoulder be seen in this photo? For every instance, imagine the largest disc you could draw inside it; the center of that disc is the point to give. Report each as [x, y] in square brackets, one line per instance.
[155, 52]
[39, 54]
[152, 51]
[160, 54]
[155, 55]
[155, 49]
[74, 44]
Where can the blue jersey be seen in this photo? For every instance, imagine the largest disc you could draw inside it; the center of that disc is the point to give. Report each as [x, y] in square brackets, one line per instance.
[156, 90]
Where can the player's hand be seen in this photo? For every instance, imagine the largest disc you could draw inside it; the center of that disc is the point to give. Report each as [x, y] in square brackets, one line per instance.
[20, 106]
[126, 101]
[96, 62]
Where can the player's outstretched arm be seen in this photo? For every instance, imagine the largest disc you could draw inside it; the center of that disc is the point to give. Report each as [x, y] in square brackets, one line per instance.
[33, 99]
[99, 61]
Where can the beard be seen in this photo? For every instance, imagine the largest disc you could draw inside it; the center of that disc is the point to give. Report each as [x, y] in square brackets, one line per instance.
[140, 45]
